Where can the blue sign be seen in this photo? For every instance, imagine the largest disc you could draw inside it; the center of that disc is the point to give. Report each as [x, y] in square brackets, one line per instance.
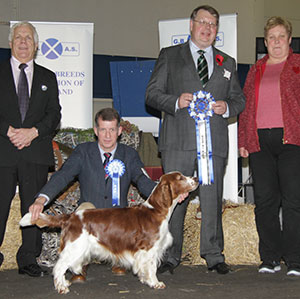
[52, 48]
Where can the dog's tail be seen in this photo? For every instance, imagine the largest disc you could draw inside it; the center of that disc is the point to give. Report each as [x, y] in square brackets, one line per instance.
[44, 220]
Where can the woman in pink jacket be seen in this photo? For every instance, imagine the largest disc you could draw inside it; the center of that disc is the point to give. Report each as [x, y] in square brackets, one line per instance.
[269, 133]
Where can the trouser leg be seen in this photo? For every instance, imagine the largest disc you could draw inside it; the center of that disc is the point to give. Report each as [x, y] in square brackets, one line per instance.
[267, 195]
[32, 177]
[211, 235]
[289, 176]
[183, 161]
[8, 183]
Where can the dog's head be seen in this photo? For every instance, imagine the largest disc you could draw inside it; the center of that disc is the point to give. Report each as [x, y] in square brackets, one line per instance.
[171, 185]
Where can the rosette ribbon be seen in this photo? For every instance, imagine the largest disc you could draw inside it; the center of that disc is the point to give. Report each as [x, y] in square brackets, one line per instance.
[200, 110]
[115, 169]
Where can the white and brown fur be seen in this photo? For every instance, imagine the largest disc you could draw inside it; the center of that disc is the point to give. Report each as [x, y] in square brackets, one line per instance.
[134, 237]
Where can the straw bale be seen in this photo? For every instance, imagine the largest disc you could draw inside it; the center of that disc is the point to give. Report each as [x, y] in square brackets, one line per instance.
[12, 239]
[240, 235]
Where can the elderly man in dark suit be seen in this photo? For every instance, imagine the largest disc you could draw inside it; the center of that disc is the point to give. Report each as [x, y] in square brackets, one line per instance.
[29, 115]
[174, 80]
[87, 164]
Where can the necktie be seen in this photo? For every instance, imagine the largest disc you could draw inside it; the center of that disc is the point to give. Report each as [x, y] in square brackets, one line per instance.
[202, 68]
[23, 94]
[106, 161]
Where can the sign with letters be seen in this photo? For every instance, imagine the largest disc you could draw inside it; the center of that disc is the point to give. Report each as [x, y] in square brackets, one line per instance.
[67, 50]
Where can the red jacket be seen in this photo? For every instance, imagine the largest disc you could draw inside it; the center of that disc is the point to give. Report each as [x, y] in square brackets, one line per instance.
[290, 103]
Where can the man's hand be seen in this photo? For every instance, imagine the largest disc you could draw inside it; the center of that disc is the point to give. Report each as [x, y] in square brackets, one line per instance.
[185, 100]
[182, 197]
[21, 138]
[36, 208]
[219, 107]
[243, 152]
[10, 131]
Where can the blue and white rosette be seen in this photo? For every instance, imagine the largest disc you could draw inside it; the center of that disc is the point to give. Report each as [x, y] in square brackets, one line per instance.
[115, 169]
[200, 110]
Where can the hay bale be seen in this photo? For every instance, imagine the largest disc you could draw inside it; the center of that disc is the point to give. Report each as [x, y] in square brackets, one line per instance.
[191, 241]
[240, 236]
[12, 239]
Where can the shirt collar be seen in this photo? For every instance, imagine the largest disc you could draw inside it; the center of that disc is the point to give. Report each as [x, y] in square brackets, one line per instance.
[102, 152]
[15, 62]
[195, 48]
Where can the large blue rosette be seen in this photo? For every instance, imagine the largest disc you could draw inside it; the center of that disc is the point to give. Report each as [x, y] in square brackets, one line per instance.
[200, 110]
[115, 169]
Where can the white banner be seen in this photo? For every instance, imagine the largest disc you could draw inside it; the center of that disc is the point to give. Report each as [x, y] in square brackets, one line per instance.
[67, 50]
[173, 32]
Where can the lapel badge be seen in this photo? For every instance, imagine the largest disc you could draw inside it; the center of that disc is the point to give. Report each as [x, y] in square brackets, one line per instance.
[227, 74]
[44, 87]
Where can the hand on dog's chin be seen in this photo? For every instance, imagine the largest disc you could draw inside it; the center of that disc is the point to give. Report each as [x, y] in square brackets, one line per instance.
[182, 197]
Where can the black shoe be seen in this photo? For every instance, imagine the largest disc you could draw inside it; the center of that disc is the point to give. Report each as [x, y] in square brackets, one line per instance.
[221, 268]
[166, 267]
[1, 258]
[33, 270]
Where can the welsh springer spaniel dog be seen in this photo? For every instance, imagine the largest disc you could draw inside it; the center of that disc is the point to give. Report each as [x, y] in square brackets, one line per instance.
[133, 237]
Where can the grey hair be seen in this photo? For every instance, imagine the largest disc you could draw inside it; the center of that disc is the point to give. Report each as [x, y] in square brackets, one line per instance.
[23, 23]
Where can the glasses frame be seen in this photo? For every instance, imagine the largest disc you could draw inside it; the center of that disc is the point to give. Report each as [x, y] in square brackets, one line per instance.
[204, 23]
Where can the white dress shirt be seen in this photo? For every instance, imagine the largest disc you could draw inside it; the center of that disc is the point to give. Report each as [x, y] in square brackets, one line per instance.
[16, 72]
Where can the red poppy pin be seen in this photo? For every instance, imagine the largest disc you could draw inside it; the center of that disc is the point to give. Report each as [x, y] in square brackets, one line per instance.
[296, 69]
[220, 59]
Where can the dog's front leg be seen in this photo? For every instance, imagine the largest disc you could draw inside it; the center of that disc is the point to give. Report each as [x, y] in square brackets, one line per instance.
[153, 281]
[147, 274]
[60, 282]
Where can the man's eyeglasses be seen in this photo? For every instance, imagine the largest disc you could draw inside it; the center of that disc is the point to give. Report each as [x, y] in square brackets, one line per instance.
[204, 23]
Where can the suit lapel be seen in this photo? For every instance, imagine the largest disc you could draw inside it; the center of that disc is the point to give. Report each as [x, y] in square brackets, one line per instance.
[189, 62]
[36, 83]
[186, 54]
[9, 78]
[217, 69]
[119, 154]
[9, 90]
[96, 156]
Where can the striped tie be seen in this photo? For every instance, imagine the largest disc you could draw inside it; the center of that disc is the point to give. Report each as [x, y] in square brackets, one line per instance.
[106, 161]
[202, 68]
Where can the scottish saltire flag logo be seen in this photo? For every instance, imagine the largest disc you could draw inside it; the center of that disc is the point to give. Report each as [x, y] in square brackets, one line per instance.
[52, 48]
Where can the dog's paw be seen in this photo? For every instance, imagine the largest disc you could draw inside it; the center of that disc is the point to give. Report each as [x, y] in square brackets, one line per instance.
[63, 290]
[62, 287]
[159, 285]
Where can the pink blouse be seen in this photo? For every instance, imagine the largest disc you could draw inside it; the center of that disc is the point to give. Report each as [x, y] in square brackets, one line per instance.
[269, 111]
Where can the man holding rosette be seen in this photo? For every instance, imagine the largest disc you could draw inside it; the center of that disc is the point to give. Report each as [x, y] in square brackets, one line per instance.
[197, 88]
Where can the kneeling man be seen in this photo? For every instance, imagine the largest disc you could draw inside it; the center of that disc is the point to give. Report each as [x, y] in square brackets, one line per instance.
[87, 163]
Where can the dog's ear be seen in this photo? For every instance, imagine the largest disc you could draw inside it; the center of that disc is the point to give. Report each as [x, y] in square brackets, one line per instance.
[162, 195]
[167, 195]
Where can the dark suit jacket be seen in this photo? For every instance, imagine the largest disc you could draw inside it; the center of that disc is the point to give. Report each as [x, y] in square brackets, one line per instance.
[85, 163]
[43, 113]
[175, 73]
